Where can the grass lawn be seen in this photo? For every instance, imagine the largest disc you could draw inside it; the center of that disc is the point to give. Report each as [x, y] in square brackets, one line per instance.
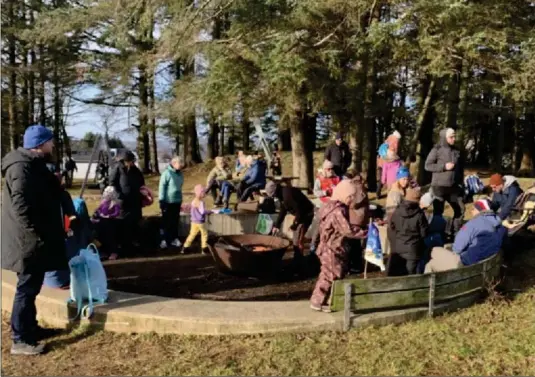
[496, 337]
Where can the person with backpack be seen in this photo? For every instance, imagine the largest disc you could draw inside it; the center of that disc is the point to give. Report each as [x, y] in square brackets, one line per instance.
[506, 191]
[339, 155]
[127, 180]
[170, 197]
[447, 165]
[33, 236]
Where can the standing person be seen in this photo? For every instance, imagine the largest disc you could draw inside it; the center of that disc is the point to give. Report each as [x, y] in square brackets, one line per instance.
[276, 164]
[339, 154]
[70, 167]
[198, 220]
[170, 197]
[446, 164]
[292, 201]
[407, 230]
[388, 162]
[334, 228]
[127, 180]
[33, 236]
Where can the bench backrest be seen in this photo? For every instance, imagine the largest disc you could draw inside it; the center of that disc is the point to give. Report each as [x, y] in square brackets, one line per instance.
[413, 291]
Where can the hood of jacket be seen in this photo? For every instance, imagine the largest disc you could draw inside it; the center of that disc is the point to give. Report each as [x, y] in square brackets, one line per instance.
[18, 156]
[408, 209]
[489, 218]
[508, 181]
[442, 138]
[331, 206]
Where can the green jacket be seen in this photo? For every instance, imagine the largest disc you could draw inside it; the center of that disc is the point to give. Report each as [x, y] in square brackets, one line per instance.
[219, 174]
[170, 190]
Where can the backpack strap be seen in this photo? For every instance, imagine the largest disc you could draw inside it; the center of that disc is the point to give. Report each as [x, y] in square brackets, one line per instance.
[78, 301]
[87, 310]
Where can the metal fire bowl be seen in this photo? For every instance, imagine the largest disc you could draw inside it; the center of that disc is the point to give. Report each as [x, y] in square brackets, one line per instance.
[235, 254]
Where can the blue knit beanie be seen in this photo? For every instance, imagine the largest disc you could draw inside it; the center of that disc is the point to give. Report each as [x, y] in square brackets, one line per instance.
[36, 135]
[403, 172]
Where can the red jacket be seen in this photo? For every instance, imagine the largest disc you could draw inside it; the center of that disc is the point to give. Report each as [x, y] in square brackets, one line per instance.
[327, 185]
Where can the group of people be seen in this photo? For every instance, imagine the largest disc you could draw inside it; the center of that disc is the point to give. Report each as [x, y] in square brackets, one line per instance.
[37, 222]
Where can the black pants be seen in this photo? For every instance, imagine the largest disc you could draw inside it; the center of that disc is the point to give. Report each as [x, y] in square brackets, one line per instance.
[455, 200]
[107, 233]
[171, 221]
[398, 265]
[130, 229]
[245, 191]
[24, 313]
[353, 248]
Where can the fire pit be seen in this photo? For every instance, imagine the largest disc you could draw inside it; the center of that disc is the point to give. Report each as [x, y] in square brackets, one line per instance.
[249, 254]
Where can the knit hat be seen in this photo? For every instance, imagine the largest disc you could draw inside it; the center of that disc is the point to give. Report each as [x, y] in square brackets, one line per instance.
[338, 136]
[36, 135]
[426, 200]
[403, 172]
[496, 180]
[413, 195]
[450, 132]
[482, 205]
[343, 190]
[396, 134]
[270, 188]
[327, 164]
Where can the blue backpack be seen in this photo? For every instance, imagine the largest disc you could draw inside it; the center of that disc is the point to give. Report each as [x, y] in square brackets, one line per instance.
[88, 281]
[473, 185]
[383, 150]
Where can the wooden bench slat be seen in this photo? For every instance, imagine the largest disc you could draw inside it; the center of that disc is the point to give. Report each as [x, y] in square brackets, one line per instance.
[405, 283]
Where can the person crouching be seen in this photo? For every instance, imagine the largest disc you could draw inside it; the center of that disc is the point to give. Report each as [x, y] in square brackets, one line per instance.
[198, 219]
[334, 228]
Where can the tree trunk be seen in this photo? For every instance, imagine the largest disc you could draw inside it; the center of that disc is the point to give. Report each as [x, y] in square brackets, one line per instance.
[13, 113]
[213, 146]
[31, 75]
[302, 156]
[246, 131]
[221, 127]
[57, 115]
[191, 142]
[417, 153]
[371, 175]
[42, 87]
[454, 87]
[153, 137]
[464, 97]
[528, 146]
[231, 140]
[285, 139]
[25, 116]
[143, 143]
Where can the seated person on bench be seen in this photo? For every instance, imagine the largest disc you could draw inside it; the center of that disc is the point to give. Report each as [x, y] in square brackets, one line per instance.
[253, 180]
[478, 239]
[506, 192]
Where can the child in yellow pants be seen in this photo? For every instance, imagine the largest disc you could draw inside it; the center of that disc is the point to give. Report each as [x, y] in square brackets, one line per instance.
[198, 219]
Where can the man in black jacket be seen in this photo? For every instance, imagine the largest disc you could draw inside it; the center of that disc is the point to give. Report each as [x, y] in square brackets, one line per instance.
[446, 164]
[128, 180]
[339, 155]
[33, 236]
[293, 201]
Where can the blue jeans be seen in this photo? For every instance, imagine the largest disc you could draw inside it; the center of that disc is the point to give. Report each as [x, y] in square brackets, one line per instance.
[24, 313]
[226, 190]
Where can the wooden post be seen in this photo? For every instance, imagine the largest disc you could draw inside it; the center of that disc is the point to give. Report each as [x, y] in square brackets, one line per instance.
[431, 295]
[348, 288]
[365, 268]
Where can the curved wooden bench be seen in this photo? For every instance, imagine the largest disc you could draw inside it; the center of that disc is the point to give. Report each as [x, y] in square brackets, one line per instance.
[428, 290]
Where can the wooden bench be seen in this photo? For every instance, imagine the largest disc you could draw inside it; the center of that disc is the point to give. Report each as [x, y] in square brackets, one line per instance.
[404, 292]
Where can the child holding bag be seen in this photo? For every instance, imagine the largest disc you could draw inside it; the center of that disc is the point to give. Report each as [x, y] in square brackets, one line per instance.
[198, 219]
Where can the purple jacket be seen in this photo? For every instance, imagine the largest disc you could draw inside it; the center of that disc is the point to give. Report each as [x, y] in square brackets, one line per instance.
[198, 214]
[105, 210]
[390, 170]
